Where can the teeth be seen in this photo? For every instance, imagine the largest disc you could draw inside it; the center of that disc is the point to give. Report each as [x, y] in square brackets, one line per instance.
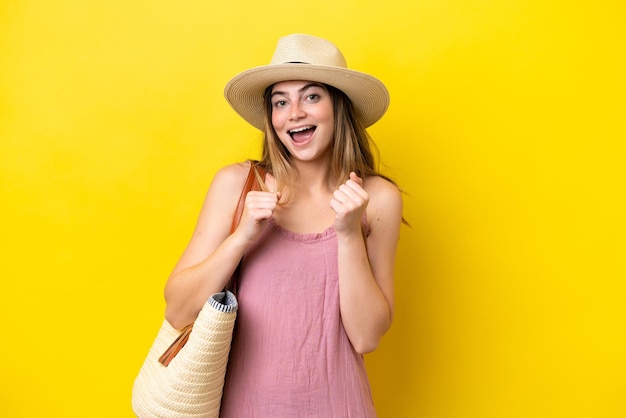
[293, 131]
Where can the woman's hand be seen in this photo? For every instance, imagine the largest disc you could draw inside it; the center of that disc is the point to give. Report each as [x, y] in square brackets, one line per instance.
[349, 202]
[259, 208]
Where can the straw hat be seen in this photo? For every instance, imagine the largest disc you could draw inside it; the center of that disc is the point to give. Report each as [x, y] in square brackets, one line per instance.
[306, 57]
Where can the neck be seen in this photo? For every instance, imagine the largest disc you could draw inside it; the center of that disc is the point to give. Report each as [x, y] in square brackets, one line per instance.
[315, 176]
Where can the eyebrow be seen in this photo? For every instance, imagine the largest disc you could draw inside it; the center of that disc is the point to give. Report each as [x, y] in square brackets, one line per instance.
[307, 86]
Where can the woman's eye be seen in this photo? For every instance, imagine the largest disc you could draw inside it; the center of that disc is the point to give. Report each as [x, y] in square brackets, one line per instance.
[312, 97]
[280, 103]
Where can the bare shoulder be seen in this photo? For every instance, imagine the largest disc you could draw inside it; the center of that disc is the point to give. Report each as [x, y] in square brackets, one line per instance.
[223, 194]
[231, 176]
[382, 190]
[376, 184]
[385, 204]
[228, 182]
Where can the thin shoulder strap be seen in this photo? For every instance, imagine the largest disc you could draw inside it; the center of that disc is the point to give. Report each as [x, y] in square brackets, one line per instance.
[254, 182]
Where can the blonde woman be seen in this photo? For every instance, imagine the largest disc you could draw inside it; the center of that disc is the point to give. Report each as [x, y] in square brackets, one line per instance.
[317, 248]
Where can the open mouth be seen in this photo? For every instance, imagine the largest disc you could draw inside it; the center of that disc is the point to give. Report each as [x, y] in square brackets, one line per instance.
[301, 134]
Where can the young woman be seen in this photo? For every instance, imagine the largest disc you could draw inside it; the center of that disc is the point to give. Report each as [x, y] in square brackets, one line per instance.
[317, 249]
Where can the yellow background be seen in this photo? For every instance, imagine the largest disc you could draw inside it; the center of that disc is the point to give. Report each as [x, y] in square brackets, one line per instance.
[506, 130]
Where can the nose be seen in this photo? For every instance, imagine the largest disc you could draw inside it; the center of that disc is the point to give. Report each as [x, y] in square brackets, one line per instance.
[297, 111]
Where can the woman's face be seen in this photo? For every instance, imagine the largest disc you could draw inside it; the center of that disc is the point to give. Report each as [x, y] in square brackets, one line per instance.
[302, 116]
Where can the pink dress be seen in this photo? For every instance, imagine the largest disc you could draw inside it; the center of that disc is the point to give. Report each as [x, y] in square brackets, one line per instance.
[291, 357]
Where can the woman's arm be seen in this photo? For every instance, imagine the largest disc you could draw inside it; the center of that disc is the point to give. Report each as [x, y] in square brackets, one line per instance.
[366, 265]
[212, 254]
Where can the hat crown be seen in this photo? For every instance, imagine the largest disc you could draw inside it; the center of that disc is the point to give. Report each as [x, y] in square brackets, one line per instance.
[306, 49]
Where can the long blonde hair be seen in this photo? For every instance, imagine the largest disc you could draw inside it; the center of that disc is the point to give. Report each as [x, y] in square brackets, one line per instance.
[351, 144]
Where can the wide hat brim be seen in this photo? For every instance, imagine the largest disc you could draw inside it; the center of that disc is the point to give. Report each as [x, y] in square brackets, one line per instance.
[368, 95]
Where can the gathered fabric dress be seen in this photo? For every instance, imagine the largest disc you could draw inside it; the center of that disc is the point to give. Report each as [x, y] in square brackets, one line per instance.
[291, 357]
